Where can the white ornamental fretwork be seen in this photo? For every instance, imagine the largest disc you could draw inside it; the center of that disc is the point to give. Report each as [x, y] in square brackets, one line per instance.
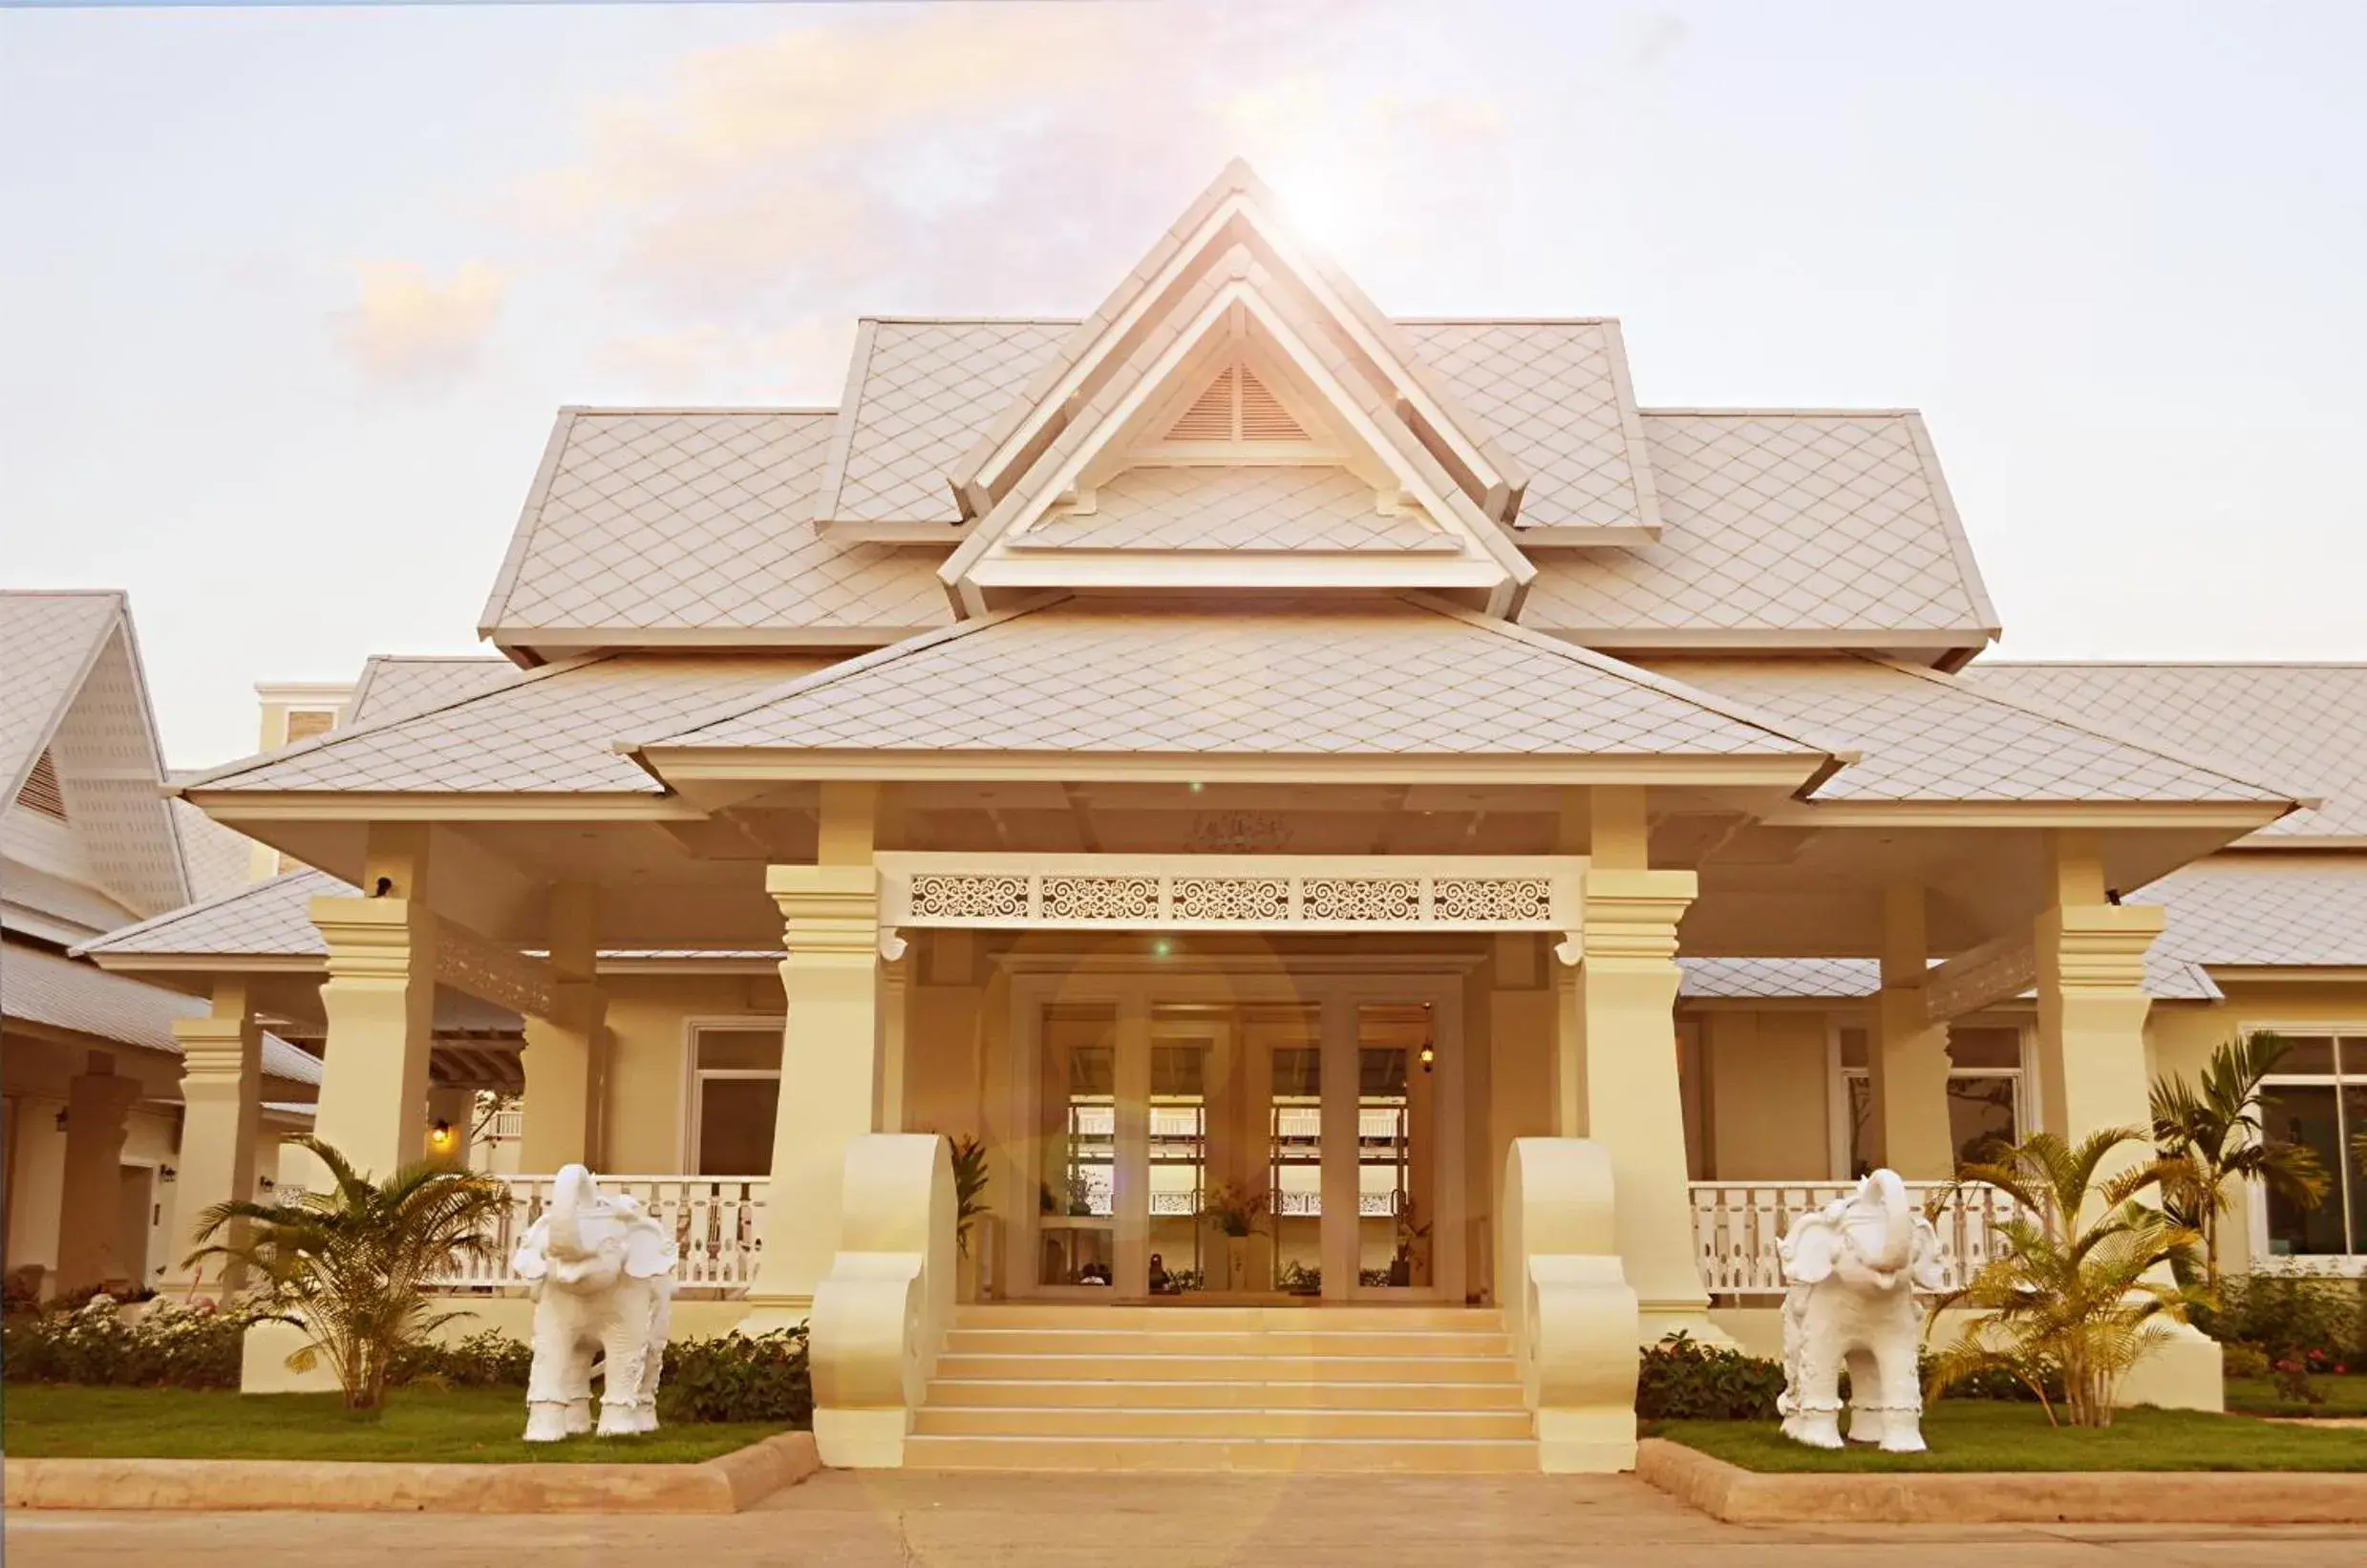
[1486, 899]
[1101, 897]
[1245, 898]
[1360, 898]
[949, 897]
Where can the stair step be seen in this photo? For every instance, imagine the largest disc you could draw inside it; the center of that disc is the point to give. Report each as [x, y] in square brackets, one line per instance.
[1146, 1421]
[1416, 1455]
[1165, 1341]
[1205, 1319]
[1209, 1393]
[963, 1365]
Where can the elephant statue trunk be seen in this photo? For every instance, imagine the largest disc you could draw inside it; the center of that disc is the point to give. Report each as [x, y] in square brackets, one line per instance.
[601, 1271]
[1854, 1268]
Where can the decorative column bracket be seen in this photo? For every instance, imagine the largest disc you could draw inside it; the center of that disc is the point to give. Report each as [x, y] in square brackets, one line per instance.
[471, 962]
[1232, 893]
[1995, 971]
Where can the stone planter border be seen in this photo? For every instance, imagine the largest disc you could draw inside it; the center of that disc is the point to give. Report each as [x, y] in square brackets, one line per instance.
[2105, 1497]
[725, 1484]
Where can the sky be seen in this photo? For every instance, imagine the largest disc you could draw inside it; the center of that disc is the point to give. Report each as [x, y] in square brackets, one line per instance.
[288, 297]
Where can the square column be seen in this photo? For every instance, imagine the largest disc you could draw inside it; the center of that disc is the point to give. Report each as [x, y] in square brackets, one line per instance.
[222, 1103]
[380, 1002]
[90, 1219]
[2092, 1001]
[564, 1055]
[829, 1070]
[1627, 1048]
[2093, 1073]
[1907, 1067]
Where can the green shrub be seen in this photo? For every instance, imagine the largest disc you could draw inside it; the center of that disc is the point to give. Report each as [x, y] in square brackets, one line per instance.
[737, 1377]
[2246, 1360]
[2318, 1322]
[1681, 1379]
[173, 1345]
[1996, 1382]
[487, 1359]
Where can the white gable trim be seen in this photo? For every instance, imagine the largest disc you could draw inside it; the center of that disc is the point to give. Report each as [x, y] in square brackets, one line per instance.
[1445, 503]
[1242, 197]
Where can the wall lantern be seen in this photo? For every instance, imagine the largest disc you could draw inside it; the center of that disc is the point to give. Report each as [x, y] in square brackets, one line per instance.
[166, 1173]
[440, 1135]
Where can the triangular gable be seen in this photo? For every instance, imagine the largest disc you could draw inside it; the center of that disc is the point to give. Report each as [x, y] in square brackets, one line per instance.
[1240, 316]
[77, 718]
[1238, 210]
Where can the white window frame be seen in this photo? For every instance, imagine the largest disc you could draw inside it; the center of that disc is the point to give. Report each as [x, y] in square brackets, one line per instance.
[693, 1075]
[2027, 1111]
[2337, 1264]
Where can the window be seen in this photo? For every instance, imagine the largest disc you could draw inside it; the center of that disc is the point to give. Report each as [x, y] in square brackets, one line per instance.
[735, 1092]
[1987, 1105]
[2318, 1098]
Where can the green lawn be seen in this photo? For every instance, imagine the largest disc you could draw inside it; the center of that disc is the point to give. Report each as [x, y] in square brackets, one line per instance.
[456, 1426]
[1976, 1434]
[2257, 1396]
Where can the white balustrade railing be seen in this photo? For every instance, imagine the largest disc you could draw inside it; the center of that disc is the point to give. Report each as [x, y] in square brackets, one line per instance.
[1738, 1224]
[717, 1224]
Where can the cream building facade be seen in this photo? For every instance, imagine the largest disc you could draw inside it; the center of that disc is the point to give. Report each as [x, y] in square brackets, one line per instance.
[1529, 843]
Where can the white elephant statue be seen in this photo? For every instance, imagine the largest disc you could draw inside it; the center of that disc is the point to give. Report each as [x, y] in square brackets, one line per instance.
[1854, 1267]
[600, 1270]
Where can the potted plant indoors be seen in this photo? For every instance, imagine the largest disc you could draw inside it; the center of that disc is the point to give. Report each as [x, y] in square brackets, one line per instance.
[1233, 1213]
[1410, 1235]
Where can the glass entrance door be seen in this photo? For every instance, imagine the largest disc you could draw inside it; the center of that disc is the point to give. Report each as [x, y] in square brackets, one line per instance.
[1195, 1148]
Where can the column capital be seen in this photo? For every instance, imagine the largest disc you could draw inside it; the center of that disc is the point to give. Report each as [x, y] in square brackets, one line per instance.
[371, 938]
[2099, 947]
[1632, 915]
[828, 913]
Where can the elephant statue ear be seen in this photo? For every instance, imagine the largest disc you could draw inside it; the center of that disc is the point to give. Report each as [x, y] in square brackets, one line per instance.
[532, 1259]
[1810, 1248]
[1926, 1269]
[649, 1250]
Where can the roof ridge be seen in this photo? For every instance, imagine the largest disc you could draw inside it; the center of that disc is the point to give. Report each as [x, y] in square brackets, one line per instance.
[337, 737]
[124, 595]
[200, 906]
[738, 706]
[2087, 726]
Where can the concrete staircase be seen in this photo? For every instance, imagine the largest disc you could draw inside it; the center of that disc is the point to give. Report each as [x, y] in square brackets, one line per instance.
[1061, 1387]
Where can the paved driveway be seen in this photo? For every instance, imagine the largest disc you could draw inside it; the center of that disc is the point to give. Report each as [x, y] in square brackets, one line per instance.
[980, 1520]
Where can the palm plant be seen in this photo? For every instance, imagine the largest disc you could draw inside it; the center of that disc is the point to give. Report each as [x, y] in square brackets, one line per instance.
[350, 1265]
[970, 1185]
[2081, 1281]
[2212, 1135]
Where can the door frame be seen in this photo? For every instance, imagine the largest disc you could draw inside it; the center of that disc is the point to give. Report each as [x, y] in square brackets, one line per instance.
[1133, 988]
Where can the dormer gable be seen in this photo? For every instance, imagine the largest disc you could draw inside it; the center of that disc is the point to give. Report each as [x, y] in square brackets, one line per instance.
[1280, 434]
[1236, 213]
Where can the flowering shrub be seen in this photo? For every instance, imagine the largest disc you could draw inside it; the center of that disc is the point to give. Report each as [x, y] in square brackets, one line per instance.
[1683, 1379]
[175, 1345]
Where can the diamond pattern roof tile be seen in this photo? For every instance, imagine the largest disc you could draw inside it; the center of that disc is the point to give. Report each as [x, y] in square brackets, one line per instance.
[60, 993]
[2264, 910]
[395, 683]
[1925, 736]
[1555, 395]
[270, 918]
[652, 520]
[2305, 725]
[925, 393]
[1395, 680]
[1778, 520]
[47, 641]
[547, 734]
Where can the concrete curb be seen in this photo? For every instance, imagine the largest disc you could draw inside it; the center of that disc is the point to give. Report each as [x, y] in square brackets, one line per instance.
[725, 1484]
[1741, 1497]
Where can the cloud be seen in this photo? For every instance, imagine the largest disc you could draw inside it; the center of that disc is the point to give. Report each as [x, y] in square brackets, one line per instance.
[408, 329]
[990, 158]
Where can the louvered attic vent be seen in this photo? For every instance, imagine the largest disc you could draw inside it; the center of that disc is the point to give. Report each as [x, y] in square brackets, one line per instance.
[1236, 407]
[41, 791]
